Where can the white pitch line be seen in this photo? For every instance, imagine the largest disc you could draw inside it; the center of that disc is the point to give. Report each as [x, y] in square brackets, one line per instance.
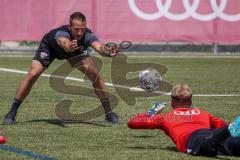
[182, 56]
[68, 78]
[116, 85]
[134, 55]
[216, 95]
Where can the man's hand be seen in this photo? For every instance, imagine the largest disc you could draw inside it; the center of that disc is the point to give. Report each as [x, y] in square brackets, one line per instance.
[112, 49]
[157, 108]
[160, 109]
[106, 50]
[73, 45]
[68, 45]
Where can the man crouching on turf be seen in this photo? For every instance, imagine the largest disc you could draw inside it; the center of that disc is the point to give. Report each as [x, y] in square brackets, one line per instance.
[194, 131]
[66, 42]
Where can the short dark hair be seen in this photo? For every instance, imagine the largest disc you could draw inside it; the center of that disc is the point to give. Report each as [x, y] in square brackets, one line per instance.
[77, 15]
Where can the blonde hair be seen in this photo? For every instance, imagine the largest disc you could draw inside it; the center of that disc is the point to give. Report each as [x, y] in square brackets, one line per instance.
[181, 92]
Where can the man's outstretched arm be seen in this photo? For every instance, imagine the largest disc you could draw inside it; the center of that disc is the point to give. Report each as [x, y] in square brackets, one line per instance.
[144, 121]
[104, 49]
[217, 122]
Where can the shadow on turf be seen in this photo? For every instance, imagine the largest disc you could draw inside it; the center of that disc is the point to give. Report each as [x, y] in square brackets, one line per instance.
[173, 149]
[61, 123]
[168, 148]
[143, 136]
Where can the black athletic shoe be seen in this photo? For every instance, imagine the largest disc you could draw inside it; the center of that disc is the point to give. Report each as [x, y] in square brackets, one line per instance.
[9, 118]
[111, 117]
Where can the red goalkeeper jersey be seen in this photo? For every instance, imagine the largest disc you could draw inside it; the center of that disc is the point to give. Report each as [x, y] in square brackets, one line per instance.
[178, 124]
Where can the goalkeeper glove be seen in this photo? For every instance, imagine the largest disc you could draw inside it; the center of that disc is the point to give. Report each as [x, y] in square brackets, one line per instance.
[156, 108]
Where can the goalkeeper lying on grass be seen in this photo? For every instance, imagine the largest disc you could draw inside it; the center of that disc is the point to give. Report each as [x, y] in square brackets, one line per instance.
[194, 131]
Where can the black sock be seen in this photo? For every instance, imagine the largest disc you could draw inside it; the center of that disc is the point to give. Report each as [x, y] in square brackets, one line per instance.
[15, 105]
[106, 105]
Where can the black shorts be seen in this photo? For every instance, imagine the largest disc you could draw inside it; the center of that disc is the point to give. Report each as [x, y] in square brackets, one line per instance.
[199, 143]
[45, 56]
[230, 146]
[212, 142]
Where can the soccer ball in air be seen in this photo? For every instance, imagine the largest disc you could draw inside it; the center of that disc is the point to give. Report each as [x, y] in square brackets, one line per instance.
[150, 79]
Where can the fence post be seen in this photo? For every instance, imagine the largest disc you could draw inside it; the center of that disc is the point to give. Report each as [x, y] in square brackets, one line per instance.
[215, 48]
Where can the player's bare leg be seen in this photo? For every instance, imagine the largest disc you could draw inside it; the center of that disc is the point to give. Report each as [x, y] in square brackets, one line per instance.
[23, 90]
[90, 70]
